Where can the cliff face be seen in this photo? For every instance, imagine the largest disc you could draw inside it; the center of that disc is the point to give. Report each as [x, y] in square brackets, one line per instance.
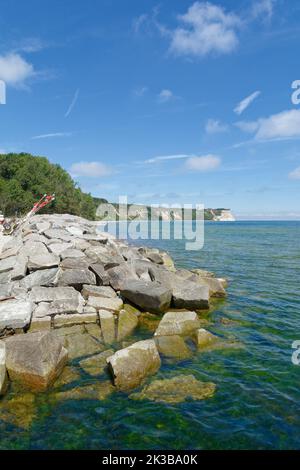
[222, 215]
[141, 212]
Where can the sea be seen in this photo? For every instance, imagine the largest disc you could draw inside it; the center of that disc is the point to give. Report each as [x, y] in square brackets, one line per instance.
[256, 404]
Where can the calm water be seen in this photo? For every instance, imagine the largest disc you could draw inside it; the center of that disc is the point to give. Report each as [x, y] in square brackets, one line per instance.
[257, 402]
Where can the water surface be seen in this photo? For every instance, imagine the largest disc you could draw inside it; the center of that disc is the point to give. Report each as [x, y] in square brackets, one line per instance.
[257, 402]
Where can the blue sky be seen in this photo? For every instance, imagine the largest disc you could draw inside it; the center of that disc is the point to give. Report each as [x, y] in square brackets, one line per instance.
[168, 102]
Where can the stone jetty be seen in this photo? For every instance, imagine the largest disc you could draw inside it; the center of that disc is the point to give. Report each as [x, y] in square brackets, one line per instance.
[70, 292]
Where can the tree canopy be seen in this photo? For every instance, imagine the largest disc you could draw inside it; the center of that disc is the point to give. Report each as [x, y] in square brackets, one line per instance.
[24, 178]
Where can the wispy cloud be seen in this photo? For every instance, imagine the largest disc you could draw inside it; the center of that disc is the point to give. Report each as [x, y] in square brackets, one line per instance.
[15, 70]
[205, 29]
[141, 91]
[73, 102]
[90, 169]
[139, 21]
[242, 105]
[263, 9]
[30, 45]
[53, 134]
[165, 158]
[203, 163]
[165, 95]
[213, 126]
[295, 174]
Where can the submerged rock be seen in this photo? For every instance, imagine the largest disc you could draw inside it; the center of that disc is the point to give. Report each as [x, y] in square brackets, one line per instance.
[176, 390]
[173, 346]
[96, 391]
[178, 323]
[127, 322]
[204, 338]
[35, 359]
[107, 323]
[131, 365]
[96, 365]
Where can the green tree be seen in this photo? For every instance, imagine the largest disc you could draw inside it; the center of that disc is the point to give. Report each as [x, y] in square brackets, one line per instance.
[24, 178]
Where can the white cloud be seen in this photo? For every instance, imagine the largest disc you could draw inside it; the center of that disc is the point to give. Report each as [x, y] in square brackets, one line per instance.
[14, 70]
[165, 96]
[72, 104]
[295, 174]
[90, 169]
[165, 158]
[263, 8]
[246, 102]
[214, 126]
[247, 126]
[206, 29]
[53, 134]
[284, 125]
[203, 163]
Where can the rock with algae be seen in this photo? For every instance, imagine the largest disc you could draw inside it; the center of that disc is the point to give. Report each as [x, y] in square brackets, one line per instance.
[176, 390]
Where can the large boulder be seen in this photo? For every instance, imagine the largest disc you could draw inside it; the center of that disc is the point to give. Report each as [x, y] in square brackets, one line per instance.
[98, 291]
[76, 278]
[58, 233]
[178, 323]
[104, 303]
[33, 248]
[119, 275]
[50, 294]
[43, 277]
[20, 268]
[15, 314]
[7, 264]
[131, 365]
[3, 373]
[35, 359]
[215, 286]
[43, 261]
[191, 295]
[101, 275]
[58, 247]
[150, 296]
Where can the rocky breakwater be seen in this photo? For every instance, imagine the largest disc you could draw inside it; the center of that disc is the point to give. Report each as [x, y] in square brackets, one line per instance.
[70, 296]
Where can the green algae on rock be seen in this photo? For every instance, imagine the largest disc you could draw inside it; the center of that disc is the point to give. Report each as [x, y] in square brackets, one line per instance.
[176, 390]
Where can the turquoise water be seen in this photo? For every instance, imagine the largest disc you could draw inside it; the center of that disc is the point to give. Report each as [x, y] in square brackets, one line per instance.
[257, 402]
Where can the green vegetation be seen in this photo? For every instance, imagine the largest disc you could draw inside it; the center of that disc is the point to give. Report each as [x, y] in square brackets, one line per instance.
[24, 178]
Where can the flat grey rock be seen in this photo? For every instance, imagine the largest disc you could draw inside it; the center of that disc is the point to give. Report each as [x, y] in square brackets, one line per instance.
[178, 323]
[76, 278]
[44, 261]
[149, 296]
[15, 314]
[43, 277]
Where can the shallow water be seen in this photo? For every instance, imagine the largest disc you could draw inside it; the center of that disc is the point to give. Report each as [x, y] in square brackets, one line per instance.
[257, 401]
